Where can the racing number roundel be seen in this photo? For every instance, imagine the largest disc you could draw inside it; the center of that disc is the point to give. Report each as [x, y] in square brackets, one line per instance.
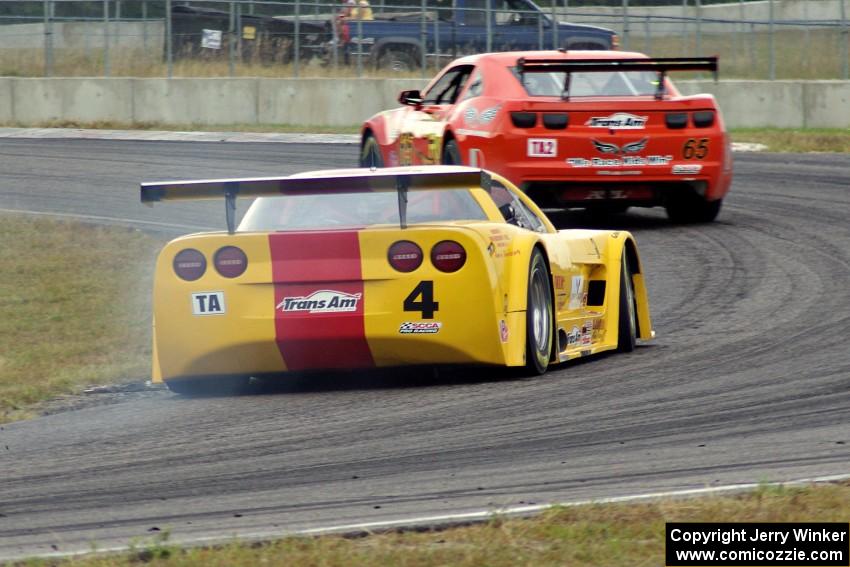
[421, 299]
[694, 148]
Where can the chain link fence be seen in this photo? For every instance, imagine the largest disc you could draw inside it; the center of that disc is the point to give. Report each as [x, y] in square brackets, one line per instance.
[755, 39]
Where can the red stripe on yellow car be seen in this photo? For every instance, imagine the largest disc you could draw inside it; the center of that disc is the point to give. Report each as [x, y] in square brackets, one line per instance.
[319, 302]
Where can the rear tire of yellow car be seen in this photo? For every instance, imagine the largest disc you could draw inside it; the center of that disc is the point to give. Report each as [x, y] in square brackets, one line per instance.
[538, 317]
[451, 154]
[690, 209]
[370, 153]
[627, 327]
[209, 386]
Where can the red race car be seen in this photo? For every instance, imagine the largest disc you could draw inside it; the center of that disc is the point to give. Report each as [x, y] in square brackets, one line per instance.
[601, 130]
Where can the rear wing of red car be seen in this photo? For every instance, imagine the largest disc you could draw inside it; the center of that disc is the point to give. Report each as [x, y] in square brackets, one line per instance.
[400, 180]
[661, 65]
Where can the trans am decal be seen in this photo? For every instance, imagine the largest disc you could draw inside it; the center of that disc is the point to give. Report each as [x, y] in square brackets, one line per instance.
[323, 301]
[618, 121]
[303, 312]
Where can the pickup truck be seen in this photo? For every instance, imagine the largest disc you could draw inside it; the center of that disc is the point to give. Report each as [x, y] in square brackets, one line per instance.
[405, 41]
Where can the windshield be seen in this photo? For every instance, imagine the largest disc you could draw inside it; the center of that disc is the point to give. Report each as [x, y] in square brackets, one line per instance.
[353, 210]
[614, 83]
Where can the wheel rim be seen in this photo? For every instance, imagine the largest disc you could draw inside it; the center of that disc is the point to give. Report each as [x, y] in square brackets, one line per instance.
[540, 315]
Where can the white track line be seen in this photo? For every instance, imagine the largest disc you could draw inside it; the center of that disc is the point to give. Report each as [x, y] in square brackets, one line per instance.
[100, 219]
[444, 520]
[230, 137]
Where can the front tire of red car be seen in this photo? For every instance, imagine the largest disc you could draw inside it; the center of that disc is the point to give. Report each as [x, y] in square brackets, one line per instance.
[209, 386]
[370, 153]
[451, 154]
[690, 209]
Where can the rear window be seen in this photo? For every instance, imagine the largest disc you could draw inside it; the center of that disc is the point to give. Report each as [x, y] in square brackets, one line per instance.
[354, 210]
[614, 83]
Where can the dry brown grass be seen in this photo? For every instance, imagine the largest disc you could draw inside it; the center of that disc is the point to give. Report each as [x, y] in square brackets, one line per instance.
[125, 62]
[582, 536]
[74, 308]
[799, 54]
[797, 141]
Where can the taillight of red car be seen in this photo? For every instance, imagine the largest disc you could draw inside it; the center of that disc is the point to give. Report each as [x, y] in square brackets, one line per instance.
[230, 261]
[189, 264]
[405, 256]
[448, 256]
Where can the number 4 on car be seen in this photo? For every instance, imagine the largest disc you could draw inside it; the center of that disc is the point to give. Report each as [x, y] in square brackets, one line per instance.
[354, 269]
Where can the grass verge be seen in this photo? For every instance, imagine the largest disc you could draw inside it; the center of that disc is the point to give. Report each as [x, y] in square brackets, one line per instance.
[591, 535]
[74, 308]
[800, 52]
[797, 140]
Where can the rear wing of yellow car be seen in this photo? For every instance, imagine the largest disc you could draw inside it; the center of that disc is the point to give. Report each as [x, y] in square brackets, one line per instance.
[348, 181]
[661, 65]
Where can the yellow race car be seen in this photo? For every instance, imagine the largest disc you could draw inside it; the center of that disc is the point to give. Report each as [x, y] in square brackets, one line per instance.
[353, 269]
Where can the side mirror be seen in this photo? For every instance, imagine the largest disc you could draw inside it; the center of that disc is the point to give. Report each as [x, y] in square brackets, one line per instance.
[410, 98]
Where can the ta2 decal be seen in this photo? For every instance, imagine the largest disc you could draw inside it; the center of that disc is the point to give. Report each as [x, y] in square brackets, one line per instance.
[542, 147]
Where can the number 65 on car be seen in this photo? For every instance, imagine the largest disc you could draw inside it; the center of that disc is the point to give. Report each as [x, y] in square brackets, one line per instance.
[401, 266]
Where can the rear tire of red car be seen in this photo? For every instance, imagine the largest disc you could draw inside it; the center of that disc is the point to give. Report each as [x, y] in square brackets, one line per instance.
[209, 386]
[538, 317]
[627, 327]
[689, 209]
[370, 153]
[451, 154]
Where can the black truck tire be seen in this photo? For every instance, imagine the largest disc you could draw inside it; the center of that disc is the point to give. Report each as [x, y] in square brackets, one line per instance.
[398, 60]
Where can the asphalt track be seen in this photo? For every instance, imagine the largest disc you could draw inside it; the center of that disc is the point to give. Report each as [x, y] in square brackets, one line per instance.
[748, 380]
